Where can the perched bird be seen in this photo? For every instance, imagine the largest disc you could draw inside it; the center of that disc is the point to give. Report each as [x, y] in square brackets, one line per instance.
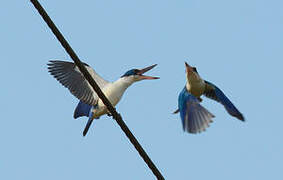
[90, 105]
[195, 117]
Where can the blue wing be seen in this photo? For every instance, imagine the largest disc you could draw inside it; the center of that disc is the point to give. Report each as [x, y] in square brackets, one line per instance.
[195, 118]
[213, 92]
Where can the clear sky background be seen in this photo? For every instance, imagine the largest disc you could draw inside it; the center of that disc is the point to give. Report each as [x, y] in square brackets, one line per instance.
[235, 44]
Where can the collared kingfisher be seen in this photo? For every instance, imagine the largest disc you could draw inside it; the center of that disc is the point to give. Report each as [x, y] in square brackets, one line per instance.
[90, 105]
[195, 118]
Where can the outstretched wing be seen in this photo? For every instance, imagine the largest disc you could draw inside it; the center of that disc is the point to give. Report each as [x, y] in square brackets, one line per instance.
[195, 118]
[213, 92]
[68, 75]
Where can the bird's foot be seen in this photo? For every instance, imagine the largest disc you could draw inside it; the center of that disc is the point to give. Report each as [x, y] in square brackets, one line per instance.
[175, 112]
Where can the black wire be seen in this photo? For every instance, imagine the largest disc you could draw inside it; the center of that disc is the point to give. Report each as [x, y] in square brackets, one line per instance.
[94, 85]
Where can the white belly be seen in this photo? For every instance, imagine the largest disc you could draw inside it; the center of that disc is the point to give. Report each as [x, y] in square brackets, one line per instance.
[114, 94]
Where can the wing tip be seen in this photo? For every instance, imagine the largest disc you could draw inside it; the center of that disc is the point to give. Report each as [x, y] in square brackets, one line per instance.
[241, 117]
[238, 115]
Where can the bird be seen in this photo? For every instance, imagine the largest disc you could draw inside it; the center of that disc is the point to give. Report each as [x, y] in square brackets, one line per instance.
[195, 118]
[68, 74]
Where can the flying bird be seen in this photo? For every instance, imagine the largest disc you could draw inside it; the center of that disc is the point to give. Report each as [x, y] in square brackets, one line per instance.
[90, 105]
[195, 118]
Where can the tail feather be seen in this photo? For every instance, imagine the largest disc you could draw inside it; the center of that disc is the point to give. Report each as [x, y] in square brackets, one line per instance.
[82, 109]
[195, 118]
[90, 120]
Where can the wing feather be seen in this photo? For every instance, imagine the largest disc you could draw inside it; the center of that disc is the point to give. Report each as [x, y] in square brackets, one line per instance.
[213, 92]
[68, 74]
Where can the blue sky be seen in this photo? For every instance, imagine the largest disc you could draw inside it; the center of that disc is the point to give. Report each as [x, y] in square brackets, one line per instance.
[237, 45]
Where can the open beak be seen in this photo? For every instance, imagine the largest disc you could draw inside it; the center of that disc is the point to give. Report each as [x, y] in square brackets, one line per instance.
[142, 71]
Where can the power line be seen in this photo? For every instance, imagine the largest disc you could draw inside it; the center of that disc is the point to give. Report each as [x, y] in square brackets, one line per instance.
[94, 85]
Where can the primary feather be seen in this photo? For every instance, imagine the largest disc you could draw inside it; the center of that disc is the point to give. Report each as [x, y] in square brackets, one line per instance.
[68, 75]
[216, 94]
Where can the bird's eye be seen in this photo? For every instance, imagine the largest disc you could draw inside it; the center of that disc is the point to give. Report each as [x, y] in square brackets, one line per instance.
[194, 69]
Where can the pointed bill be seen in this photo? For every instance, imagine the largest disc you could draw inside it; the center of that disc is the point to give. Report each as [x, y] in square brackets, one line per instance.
[188, 68]
[144, 70]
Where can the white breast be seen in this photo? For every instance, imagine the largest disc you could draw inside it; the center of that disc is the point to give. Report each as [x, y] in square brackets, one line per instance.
[195, 85]
[114, 92]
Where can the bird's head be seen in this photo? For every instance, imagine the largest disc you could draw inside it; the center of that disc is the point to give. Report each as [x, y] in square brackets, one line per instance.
[191, 73]
[137, 74]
